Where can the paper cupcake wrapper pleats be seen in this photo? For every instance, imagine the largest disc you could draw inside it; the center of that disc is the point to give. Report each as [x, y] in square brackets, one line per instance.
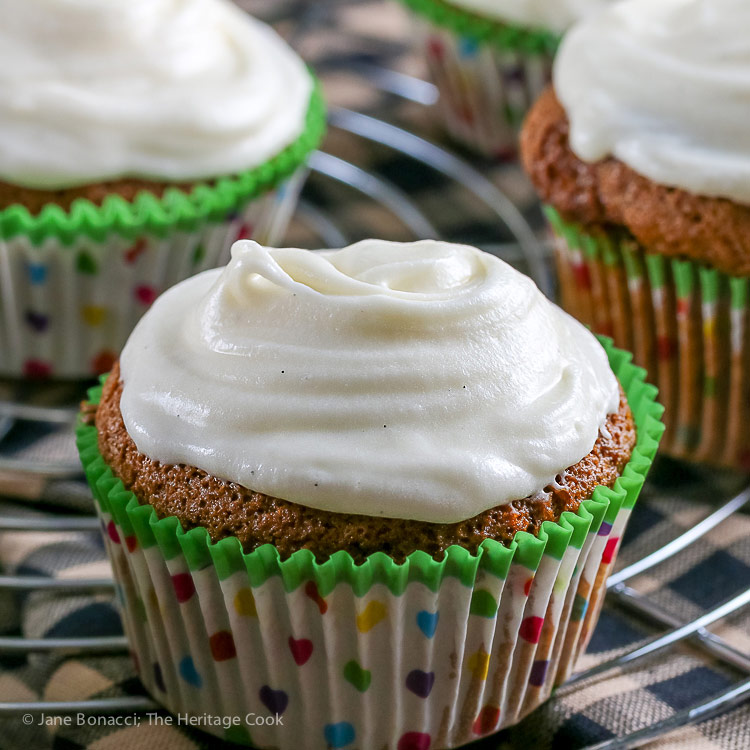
[73, 284]
[65, 312]
[416, 656]
[488, 74]
[688, 324]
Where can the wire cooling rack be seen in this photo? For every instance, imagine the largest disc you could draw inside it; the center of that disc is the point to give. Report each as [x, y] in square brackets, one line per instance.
[48, 408]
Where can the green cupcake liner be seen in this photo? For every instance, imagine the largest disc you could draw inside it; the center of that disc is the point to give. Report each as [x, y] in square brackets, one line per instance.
[687, 323]
[485, 30]
[175, 209]
[492, 558]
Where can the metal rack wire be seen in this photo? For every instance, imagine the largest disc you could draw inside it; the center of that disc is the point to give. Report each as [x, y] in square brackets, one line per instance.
[16, 406]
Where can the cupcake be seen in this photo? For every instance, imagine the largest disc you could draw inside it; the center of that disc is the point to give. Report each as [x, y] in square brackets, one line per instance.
[373, 493]
[490, 60]
[641, 154]
[138, 142]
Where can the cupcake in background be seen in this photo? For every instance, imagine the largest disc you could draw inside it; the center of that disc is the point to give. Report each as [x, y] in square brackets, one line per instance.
[490, 60]
[391, 532]
[642, 153]
[138, 141]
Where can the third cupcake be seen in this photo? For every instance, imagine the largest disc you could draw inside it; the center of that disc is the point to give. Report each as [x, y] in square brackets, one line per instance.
[139, 140]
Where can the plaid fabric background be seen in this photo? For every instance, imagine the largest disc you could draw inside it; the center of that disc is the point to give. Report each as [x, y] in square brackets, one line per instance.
[341, 40]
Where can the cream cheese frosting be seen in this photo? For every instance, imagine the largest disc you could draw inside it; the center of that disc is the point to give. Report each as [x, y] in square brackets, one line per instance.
[92, 90]
[665, 88]
[552, 15]
[427, 381]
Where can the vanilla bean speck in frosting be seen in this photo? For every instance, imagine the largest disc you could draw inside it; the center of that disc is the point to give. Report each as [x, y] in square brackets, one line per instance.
[427, 381]
[663, 86]
[92, 90]
[555, 15]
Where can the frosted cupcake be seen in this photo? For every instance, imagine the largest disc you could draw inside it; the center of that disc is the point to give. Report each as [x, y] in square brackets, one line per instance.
[375, 491]
[490, 60]
[138, 142]
[643, 156]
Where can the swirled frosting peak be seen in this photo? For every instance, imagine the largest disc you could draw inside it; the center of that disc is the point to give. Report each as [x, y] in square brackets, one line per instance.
[664, 86]
[427, 381]
[173, 90]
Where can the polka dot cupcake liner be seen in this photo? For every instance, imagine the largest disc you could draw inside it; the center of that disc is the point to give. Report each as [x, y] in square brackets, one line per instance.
[488, 74]
[687, 324]
[416, 656]
[68, 310]
[75, 283]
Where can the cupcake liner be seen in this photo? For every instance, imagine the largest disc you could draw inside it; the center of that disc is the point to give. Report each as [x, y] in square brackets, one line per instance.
[688, 324]
[73, 284]
[483, 30]
[488, 74]
[66, 311]
[416, 656]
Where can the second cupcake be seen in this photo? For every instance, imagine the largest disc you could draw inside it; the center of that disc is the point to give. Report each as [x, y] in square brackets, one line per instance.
[643, 157]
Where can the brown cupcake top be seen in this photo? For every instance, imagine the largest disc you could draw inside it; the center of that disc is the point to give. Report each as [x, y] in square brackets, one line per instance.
[608, 193]
[227, 509]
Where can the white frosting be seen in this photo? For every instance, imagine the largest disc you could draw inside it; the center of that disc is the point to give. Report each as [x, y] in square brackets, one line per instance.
[664, 86]
[551, 15]
[170, 89]
[426, 380]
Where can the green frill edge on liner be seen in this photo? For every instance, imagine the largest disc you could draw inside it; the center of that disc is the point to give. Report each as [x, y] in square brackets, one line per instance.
[620, 248]
[227, 555]
[175, 209]
[486, 30]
